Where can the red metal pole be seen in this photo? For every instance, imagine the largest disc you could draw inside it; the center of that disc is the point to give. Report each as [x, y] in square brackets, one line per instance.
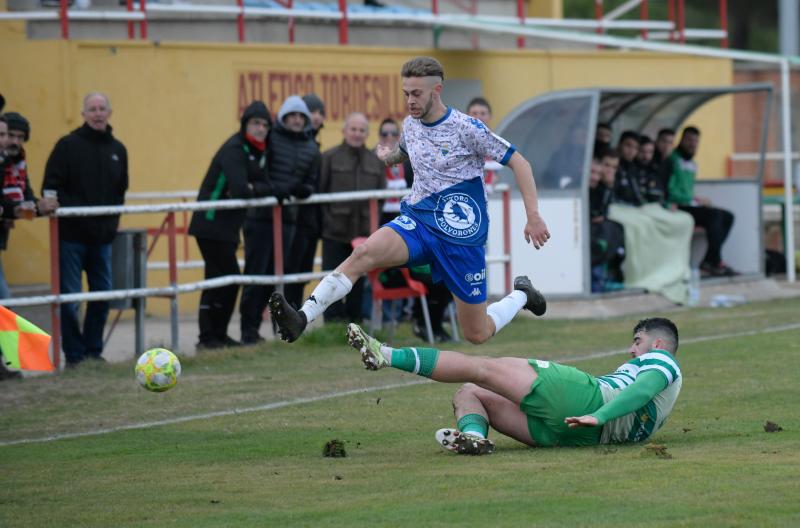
[435, 7]
[240, 19]
[598, 15]
[291, 23]
[507, 236]
[143, 23]
[681, 22]
[343, 22]
[644, 15]
[55, 289]
[277, 242]
[185, 232]
[373, 215]
[62, 14]
[129, 7]
[723, 21]
[521, 16]
[671, 18]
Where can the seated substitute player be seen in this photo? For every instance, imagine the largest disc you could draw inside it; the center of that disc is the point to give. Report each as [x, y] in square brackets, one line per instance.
[443, 222]
[541, 403]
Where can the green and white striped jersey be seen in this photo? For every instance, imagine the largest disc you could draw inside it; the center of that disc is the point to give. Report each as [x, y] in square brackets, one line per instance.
[640, 424]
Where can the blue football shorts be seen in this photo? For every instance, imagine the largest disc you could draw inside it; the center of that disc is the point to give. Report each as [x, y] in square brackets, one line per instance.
[462, 268]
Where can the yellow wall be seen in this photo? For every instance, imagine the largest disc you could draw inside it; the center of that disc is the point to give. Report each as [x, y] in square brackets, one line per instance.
[174, 104]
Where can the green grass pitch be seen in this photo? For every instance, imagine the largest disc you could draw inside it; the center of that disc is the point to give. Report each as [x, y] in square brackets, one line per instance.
[265, 468]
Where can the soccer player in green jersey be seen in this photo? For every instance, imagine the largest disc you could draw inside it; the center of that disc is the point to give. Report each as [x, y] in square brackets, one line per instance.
[541, 403]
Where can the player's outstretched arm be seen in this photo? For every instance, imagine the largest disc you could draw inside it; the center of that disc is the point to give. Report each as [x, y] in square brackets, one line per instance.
[535, 229]
[632, 397]
[391, 156]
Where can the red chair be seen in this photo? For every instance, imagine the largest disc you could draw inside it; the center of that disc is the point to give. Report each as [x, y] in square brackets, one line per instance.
[413, 288]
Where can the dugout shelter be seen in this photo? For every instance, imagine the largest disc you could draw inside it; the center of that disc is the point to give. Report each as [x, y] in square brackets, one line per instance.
[556, 133]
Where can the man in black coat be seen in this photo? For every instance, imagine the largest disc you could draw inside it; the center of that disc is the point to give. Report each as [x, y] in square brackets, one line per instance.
[88, 167]
[238, 171]
[293, 162]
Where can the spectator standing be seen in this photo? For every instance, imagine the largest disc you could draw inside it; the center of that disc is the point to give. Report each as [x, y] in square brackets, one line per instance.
[603, 134]
[717, 222]
[309, 218]
[398, 177]
[293, 162]
[88, 167]
[4, 291]
[350, 166]
[238, 171]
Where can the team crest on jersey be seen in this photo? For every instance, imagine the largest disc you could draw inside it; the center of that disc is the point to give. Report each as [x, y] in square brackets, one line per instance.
[444, 149]
[458, 215]
[405, 222]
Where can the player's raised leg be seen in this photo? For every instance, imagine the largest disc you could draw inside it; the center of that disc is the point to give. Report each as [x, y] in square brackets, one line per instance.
[479, 322]
[384, 248]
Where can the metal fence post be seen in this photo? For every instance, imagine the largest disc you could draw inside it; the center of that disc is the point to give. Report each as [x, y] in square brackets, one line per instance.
[55, 289]
[173, 281]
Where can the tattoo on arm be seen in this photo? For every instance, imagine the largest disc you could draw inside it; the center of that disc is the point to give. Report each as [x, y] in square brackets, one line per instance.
[396, 156]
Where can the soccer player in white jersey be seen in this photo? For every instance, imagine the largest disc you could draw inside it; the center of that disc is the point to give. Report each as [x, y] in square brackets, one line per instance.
[443, 222]
[541, 403]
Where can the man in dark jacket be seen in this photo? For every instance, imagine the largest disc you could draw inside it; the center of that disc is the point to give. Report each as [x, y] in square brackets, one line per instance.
[293, 162]
[350, 166]
[17, 200]
[238, 171]
[300, 258]
[87, 167]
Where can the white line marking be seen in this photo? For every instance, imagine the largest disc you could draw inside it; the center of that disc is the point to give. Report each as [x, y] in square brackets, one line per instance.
[322, 397]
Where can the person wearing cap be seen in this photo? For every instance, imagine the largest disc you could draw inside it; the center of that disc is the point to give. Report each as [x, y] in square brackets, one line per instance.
[18, 200]
[238, 171]
[87, 167]
[293, 170]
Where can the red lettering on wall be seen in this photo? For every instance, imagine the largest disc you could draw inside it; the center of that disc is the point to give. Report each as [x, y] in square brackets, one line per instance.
[378, 96]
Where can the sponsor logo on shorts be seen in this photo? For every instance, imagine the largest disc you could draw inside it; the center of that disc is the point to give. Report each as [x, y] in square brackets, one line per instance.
[458, 215]
[476, 277]
[405, 222]
[475, 292]
[543, 364]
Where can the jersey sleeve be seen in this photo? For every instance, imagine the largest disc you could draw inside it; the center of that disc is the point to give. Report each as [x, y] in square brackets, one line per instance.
[661, 362]
[633, 397]
[486, 143]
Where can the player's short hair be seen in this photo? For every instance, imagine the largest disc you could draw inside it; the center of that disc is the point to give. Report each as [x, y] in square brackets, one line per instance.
[422, 67]
[665, 132]
[479, 101]
[660, 327]
[605, 125]
[690, 130]
[644, 140]
[629, 134]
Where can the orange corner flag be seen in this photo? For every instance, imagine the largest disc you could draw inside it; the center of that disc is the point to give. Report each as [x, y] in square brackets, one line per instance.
[23, 345]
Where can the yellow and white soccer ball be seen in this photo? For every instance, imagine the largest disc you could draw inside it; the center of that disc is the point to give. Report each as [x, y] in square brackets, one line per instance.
[158, 370]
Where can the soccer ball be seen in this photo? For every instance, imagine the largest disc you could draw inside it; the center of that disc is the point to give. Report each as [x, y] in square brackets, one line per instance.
[158, 370]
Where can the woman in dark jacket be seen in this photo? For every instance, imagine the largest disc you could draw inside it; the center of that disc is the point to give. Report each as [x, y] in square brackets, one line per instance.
[238, 171]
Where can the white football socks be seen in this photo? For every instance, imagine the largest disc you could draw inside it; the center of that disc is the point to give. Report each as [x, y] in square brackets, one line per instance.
[329, 290]
[504, 310]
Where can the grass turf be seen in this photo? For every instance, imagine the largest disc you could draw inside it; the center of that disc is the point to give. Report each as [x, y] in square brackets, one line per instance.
[266, 468]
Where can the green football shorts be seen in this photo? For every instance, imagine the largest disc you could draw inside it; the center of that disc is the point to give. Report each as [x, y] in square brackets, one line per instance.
[558, 392]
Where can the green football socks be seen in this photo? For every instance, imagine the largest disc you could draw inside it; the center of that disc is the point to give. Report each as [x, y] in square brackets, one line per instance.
[474, 424]
[419, 361]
